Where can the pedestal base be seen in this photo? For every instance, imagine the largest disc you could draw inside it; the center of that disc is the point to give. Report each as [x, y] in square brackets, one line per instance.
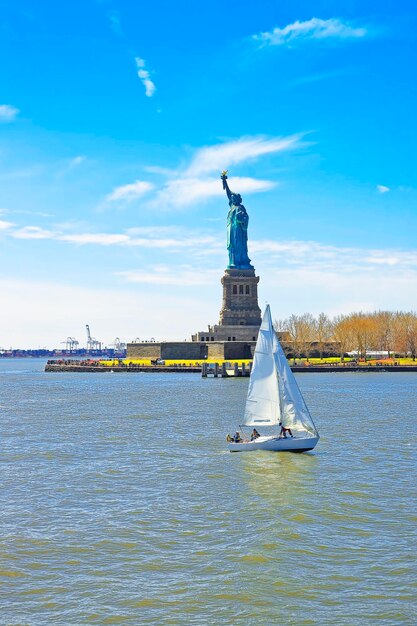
[240, 299]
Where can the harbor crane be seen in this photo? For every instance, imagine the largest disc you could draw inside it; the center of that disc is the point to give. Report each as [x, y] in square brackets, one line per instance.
[70, 344]
[118, 345]
[92, 343]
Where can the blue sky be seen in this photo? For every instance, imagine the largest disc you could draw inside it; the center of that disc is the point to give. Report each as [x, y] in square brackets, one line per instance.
[116, 119]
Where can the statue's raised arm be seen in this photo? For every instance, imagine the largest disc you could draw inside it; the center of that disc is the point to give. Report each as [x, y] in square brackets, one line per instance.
[225, 185]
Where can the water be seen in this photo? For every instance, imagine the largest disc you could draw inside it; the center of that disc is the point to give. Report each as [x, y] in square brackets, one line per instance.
[122, 505]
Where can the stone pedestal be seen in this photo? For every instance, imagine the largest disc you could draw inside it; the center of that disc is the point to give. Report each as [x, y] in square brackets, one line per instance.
[240, 299]
[240, 315]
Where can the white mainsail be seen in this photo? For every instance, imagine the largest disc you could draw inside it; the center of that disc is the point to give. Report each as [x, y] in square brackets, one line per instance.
[263, 406]
[273, 394]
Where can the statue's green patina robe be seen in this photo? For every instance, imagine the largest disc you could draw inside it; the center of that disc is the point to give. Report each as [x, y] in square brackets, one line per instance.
[237, 231]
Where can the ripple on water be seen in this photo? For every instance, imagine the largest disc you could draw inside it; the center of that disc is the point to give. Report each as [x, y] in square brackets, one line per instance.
[115, 512]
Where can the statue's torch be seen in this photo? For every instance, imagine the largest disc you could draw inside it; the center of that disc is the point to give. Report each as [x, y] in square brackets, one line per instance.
[224, 178]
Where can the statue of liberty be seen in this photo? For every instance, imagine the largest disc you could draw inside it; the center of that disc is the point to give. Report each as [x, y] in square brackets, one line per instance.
[237, 230]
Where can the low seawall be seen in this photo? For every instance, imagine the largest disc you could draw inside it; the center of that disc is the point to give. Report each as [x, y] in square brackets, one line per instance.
[113, 370]
[354, 368]
[312, 369]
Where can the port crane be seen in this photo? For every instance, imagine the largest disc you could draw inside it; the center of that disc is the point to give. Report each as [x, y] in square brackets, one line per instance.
[92, 343]
[70, 344]
[118, 345]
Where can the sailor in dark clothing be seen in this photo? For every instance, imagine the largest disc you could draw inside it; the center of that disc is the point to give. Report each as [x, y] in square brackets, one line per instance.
[254, 435]
[284, 431]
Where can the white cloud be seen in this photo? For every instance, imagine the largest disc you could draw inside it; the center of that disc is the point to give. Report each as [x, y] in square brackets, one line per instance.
[185, 191]
[101, 239]
[33, 232]
[152, 237]
[200, 244]
[175, 244]
[77, 161]
[192, 183]
[70, 164]
[8, 113]
[165, 275]
[223, 155]
[315, 28]
[5, 225]
[145, 77]
[382, 260]
[383, 188]
[130, 192]
[319, 257]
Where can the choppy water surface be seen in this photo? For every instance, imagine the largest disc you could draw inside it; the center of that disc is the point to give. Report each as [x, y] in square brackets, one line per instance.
[122, 505]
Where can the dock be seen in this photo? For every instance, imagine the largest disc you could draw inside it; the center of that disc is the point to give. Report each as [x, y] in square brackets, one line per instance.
[225, 370]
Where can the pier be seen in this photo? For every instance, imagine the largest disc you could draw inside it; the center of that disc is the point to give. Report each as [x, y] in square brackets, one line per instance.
[225, 370]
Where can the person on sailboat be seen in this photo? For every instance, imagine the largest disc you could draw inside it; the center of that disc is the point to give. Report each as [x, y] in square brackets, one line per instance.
[254, 435]
[237, 437]
[284, 431]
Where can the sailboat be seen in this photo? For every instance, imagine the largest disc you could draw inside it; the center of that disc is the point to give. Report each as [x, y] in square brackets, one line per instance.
[274, 401]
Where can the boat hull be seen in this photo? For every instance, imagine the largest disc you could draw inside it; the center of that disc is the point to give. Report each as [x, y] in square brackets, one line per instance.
[276, 444]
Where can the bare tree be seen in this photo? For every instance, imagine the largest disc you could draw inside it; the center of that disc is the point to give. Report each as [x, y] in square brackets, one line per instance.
[342, 334]
[384, 331]
[408, 334]
[323, 331]
[359, 332]
[363, 329]
[301, 329]
[281, 329]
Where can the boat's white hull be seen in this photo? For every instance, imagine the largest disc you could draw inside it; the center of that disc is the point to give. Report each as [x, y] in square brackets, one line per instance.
[276, 444]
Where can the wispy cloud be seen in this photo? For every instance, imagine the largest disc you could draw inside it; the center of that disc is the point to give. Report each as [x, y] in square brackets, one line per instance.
[145, 77]
[383, 188]
[200, 243]
[115, 22]
[101, 239]
[77, 161]
[5, 225]
[332, 258]
[166, 275]
[166, 238]
[185, 191]
[8, 113]
[316, 28]
[193, 182]
[127, 193]
[217, 157]
[33, 232]
[70, 164]
[196, 184]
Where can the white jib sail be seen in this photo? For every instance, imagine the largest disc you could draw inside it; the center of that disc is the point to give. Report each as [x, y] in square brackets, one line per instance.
[273, 394]
[263, 401]
[294, 411]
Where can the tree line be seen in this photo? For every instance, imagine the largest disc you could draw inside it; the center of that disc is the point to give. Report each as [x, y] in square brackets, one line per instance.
[388, 331]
